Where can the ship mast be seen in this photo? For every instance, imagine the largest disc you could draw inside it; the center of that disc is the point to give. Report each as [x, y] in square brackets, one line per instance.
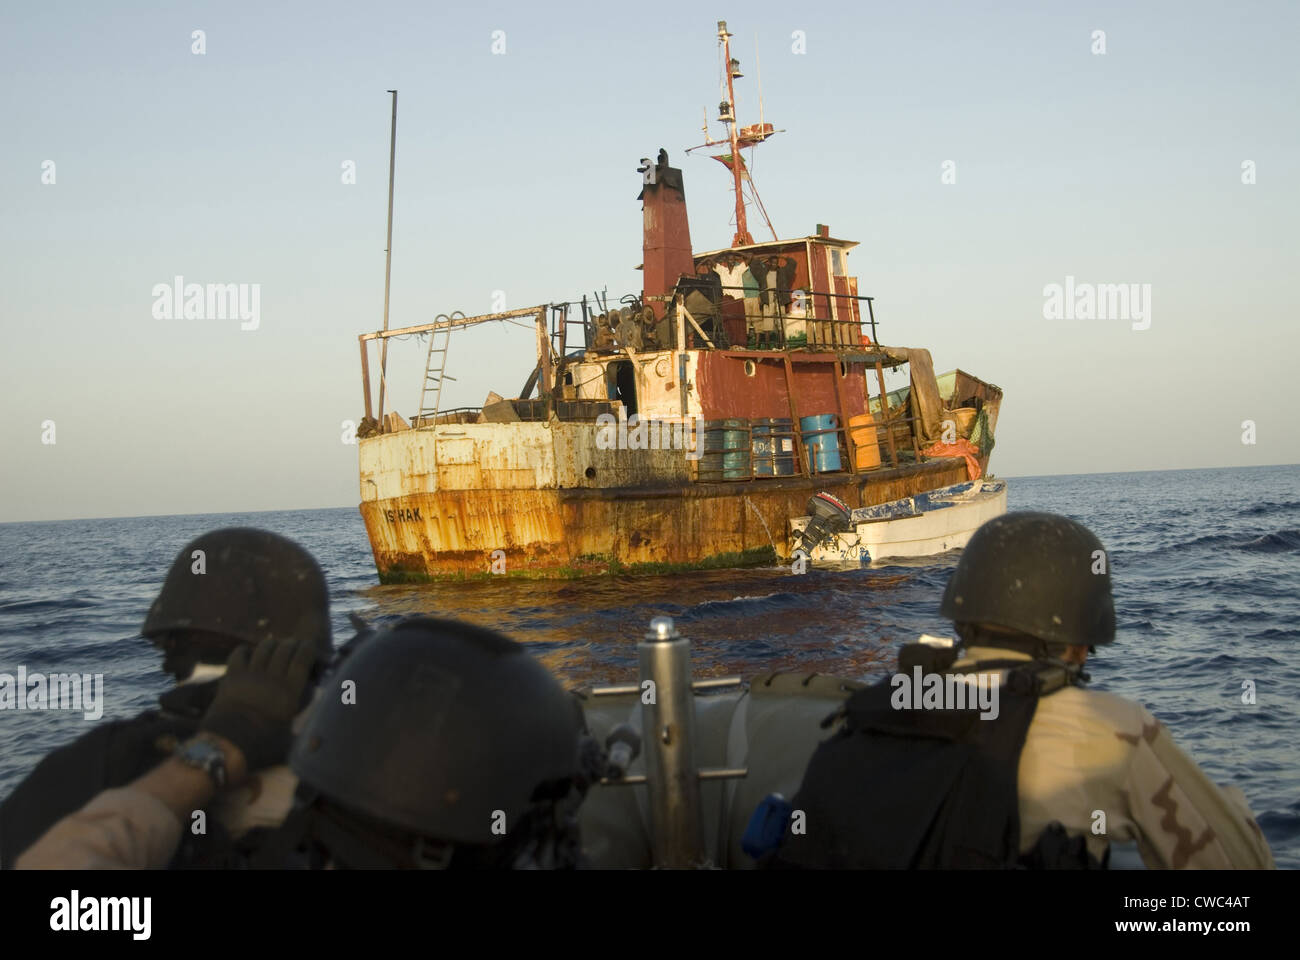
[732, 68]
[388, 255]
[737, 139]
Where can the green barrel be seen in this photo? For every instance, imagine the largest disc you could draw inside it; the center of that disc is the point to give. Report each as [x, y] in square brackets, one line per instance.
[726, 454]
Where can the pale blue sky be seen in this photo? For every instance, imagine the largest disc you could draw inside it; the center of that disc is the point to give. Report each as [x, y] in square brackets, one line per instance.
[517, 173]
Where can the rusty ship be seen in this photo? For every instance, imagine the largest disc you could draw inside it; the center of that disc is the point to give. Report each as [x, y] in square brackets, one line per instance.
[685, 425]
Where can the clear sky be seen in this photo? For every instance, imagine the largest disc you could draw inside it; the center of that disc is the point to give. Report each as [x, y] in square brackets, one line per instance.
[516, 172]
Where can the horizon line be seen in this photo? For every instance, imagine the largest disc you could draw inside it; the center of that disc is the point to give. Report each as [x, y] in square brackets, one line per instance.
[226, 513]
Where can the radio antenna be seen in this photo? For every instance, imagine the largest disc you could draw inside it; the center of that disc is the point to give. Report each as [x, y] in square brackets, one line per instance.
[388, 254]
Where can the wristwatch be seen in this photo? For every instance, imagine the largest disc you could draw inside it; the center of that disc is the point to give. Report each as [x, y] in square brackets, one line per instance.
[203, 754]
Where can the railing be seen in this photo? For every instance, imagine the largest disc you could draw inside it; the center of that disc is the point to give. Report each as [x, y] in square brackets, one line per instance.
[445, 322]
[795, 323]
[454, 415]
[529, 411]
[580, 411]
[754, 323]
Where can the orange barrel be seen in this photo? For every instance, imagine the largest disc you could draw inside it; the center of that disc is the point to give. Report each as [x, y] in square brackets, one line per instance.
[866, 441]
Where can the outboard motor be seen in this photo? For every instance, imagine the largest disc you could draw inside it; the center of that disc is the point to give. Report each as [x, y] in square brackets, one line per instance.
[828, 516]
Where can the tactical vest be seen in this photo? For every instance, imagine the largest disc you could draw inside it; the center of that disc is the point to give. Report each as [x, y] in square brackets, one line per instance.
[927, 788]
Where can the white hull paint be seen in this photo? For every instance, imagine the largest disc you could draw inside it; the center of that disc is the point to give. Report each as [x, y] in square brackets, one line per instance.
[921, 526]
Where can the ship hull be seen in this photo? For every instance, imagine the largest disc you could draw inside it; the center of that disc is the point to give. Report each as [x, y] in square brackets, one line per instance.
[578, 531]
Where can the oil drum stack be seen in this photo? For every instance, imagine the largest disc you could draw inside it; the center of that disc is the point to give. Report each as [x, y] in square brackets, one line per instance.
[727, 452]
[737, 449]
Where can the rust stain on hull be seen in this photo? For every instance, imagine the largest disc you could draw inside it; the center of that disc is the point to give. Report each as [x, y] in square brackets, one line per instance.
[575, 531]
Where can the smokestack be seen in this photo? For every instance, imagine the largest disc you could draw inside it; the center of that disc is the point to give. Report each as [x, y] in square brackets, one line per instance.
[666, 231]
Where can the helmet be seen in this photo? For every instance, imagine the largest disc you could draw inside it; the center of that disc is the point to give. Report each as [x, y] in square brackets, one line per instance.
[1036, 573]
[453, 733]
[252, 585]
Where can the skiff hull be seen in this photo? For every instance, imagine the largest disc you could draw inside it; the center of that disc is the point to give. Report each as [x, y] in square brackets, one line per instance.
[915, 526]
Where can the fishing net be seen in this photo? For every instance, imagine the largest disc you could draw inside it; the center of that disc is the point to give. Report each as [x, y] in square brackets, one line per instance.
[981, 435]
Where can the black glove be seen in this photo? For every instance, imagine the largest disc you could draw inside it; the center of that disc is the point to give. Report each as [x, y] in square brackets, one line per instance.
[258, 697]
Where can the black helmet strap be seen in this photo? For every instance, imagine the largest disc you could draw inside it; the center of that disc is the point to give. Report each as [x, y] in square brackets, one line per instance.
[972, 635]
[546, 838]
[339, 837]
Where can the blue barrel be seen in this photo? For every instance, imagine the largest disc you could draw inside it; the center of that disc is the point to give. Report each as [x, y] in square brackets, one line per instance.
[821, 437]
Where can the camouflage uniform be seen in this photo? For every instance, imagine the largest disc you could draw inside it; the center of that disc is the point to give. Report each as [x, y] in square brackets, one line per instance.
[1090, 751]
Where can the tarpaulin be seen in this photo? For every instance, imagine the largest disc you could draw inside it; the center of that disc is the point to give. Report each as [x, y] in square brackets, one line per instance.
[961, 448]
[927, 406]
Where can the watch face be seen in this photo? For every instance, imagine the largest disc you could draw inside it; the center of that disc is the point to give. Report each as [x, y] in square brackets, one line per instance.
[205, 756]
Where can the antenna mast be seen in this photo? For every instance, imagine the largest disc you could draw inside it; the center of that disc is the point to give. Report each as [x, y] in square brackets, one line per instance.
[732, 67]
[737, 139]
[388, 255]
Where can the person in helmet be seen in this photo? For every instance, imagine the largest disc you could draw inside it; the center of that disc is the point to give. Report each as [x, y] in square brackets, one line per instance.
[441, 745]
[248, 726]
[1058, 774]
[1037, 586]
[227, 588]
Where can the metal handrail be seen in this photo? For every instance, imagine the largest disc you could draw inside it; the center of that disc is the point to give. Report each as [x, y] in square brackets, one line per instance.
[871, 313]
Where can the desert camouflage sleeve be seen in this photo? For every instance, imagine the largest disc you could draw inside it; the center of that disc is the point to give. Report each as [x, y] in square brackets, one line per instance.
[1184, 820]
[119, 829]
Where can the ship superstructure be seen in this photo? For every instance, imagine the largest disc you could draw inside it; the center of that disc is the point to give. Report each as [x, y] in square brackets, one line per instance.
[685, 425]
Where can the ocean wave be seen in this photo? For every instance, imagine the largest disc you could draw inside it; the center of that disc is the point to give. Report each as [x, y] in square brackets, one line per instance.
[1274, 542]
[1275, 633]
[1208, 540]
[754, 603]
[1266, 507]
[1280, 542]
[32, 650]
[37, 606]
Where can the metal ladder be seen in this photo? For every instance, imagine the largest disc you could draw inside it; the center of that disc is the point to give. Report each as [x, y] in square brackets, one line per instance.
[562, 320]
[434, 375]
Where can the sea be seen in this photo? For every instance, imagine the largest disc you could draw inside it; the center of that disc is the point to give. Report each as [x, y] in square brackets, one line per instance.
[1205, 563]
